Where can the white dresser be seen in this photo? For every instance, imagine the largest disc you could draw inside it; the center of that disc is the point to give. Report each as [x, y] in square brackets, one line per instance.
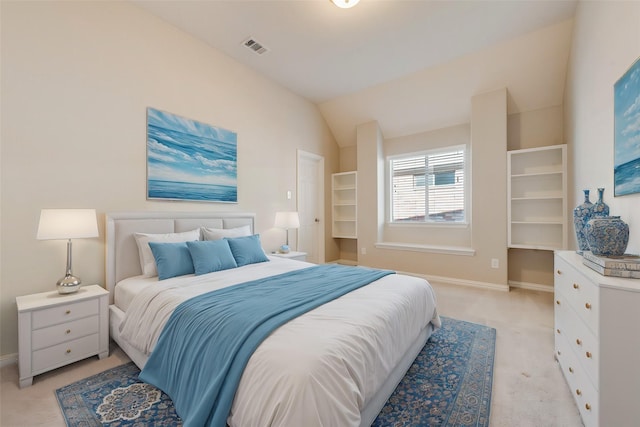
[55, 330]
[597, 341]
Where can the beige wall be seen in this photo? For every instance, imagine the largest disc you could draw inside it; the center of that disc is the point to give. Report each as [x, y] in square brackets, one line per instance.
[606, 41]
[486, 234]
[77, 78]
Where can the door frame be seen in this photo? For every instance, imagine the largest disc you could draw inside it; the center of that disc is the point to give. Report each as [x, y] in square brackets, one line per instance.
[320, 244]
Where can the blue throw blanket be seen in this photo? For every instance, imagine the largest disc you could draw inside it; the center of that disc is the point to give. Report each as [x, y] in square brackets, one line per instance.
[208, 340]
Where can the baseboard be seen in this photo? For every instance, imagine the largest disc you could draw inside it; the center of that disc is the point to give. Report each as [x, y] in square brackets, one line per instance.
[460, 282]
[442, 279]
[344, 262]
[531, 286]
[8, 359]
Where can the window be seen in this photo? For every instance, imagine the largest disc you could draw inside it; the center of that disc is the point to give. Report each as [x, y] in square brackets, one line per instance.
[428, 187]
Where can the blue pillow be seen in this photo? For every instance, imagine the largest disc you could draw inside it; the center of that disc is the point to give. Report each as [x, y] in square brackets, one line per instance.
[247, 249]
[172, 259]
[211, 255]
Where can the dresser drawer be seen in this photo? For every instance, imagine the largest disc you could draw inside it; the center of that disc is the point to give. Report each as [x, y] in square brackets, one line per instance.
[64, 313]
[63, 332]
[583, 392]
[580, 293]
[67, 352]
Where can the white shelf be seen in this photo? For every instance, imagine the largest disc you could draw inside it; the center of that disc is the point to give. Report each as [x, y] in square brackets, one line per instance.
[537, 198]
[344, 205]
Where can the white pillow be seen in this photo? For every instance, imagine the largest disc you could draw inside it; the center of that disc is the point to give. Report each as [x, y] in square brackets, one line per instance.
[147, 262]
[221, 233]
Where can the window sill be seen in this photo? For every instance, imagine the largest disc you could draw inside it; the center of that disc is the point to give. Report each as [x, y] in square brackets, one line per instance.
[428, 224]
[447, 250]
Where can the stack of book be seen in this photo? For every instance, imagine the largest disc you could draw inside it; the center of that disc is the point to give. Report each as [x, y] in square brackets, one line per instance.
[623, 266]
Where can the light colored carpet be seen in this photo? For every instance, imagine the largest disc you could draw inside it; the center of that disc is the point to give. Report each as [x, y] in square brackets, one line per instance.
[528, 387]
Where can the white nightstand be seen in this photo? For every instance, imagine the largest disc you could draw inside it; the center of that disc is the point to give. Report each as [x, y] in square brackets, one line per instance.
[298, 256]
[55, 330]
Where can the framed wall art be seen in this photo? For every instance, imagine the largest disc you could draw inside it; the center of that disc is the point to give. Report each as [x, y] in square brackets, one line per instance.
[626, 107]
[190, 160]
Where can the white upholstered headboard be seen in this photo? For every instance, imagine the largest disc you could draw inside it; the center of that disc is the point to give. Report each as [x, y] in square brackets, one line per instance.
[122, 258]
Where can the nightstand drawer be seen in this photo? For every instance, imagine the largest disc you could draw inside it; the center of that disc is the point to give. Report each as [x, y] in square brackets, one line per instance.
[64, 313]
[63, 332]
[67, 352]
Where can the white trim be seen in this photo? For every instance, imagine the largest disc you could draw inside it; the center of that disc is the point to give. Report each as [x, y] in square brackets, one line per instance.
[459, 282]
[344, 262]
[320, 244]
[447, 250]
[531, 286]
[8, 359]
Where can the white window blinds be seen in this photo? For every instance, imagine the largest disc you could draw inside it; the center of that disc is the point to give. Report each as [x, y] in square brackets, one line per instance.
[428, 187]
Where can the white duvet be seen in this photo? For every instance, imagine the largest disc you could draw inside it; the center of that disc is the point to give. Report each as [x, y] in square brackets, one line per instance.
[320, 369]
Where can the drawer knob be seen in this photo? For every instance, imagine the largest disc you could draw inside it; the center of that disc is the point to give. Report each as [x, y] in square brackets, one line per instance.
[559, 353]
[68, 350]
[570, 369]
[558, 330]
[588, 354]
[578, 341]
[587, 406]
[558, 302]
[576, 286]
[578, 392]
[68, 312]
[558, 271]
[587, 306]
[68, 331]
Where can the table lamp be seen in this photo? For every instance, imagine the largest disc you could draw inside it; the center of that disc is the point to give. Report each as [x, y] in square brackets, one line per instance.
[57, 224]
[287, 220]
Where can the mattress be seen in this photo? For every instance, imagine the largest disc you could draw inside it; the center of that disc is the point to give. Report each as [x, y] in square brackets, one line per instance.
[319, 369]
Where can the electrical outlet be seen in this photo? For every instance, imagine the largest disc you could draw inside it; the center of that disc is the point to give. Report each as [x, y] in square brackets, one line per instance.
[363, 250]
[495, 263]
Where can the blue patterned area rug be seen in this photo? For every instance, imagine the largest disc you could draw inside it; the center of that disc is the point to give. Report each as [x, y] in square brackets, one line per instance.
[449, 384]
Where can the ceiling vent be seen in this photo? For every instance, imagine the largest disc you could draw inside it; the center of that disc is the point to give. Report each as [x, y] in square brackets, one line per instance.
[255, 46]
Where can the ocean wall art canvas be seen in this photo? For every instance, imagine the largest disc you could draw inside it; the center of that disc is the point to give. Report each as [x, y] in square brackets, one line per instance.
[627, 132]
[190, 160]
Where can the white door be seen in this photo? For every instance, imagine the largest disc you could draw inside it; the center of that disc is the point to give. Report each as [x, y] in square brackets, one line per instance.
[311, 206]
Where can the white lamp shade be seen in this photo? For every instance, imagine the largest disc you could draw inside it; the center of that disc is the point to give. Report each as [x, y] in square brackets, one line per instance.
[345, 4]
[287, 220]
[67, 224]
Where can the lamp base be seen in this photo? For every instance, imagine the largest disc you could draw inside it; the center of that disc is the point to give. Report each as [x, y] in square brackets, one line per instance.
[284, 249]
[68, 284]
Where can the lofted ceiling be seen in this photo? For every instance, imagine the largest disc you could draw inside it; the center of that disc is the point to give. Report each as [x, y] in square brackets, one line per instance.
[412, 65]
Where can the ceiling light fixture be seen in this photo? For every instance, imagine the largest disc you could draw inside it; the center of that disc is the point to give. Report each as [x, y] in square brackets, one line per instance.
[345, 4]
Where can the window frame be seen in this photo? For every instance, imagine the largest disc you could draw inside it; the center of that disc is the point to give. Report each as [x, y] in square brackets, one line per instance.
[430, 223]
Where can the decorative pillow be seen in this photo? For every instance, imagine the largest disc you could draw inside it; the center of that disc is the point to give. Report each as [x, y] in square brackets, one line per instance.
[247, 250]
[172, 259]
[147, 263]
[209, 256]
[221, 233]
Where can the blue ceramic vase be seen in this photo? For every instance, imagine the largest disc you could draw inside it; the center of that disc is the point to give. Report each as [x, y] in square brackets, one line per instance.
[581, 215]
[600, 208]
[607, 236]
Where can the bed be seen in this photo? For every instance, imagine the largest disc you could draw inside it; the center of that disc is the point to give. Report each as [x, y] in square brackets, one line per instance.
[337, 364]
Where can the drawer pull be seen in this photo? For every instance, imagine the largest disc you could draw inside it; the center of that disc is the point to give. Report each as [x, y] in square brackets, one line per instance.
[576, 286]
[559, 353]
[578, 341]
[570, 369]
[68, 350]
[68, 331]
[558, 302]
[587, 406]
[588, 354]
[68, 312]
[558, 330]
[559, 272]
[587, 306]
[578, 392]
